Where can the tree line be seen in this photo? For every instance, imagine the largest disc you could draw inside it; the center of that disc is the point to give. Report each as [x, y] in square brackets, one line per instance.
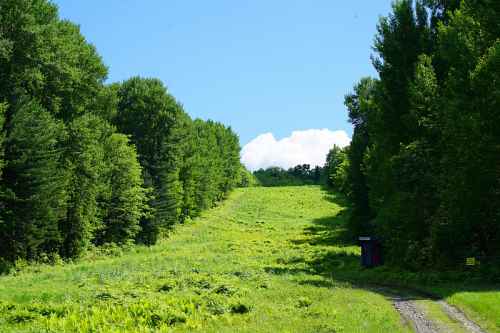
[301, 174]
[423, 167]
[84, 163]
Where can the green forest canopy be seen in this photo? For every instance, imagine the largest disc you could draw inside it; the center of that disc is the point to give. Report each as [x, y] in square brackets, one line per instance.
[424, 162]
[83, 163]
[422, 171]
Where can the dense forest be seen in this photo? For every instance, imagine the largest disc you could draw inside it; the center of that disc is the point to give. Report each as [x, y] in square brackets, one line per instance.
[301, 174]
[423, 168]
[84, 163]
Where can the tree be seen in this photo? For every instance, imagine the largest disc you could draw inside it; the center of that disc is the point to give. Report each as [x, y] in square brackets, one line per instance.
[361, 105]
[487, 101]
[125, 200]
[47, 59]
[387, 129]
[3, 107]
[3, 227]
[85, 160]
[68, 178]
[150, 116]
[35, 183]
[246, 178]
[469, 184]
[423, 158]
[298, 175]
[334, 159]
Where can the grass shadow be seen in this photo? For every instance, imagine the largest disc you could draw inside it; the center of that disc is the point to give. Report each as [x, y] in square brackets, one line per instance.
[339, 265]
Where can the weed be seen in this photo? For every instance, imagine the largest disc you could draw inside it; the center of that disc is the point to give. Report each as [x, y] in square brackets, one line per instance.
[303, 302]
[165, 288]
[104, 296]
[224, 290]
[240, 308]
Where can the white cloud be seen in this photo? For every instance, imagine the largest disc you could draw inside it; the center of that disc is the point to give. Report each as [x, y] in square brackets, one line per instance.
[302, 147]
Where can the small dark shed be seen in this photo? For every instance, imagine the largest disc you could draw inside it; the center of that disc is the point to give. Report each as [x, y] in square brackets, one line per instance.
[371, 252]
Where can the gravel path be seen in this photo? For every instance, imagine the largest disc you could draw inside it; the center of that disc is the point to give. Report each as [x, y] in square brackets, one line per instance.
[418, 319]
[458, 316]
[413, 315]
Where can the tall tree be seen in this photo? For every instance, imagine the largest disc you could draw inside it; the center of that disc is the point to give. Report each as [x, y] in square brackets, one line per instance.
[361, 105]
[68, 179]
[425, 140]
[47, 59]
[3, 227]
[124, 199]
[149, 114]
[85, 158]
[468, 45]
[3, 108]
[35, 182]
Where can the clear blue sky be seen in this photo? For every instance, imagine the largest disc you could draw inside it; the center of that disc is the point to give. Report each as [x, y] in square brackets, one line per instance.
[258, 66]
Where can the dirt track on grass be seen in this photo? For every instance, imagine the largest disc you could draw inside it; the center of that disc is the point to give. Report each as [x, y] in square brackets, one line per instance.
[415, 316]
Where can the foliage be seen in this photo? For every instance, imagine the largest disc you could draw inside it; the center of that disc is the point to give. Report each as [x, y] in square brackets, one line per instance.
[424, 155]
[3, 107]
[85, 159]
[246, 178]
[124, 202]
[148, 114]
[35, 184]
[189, 165]
[47, 59]
[301, 174]
[336, 169]
[88, 164]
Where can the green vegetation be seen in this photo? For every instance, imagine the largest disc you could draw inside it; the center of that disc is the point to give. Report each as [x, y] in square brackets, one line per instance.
[422, 167]
[336, 169]
[434, 311]
[85, 164]
[254, 264]
[268, 259]
[298, 175]
[88, 170]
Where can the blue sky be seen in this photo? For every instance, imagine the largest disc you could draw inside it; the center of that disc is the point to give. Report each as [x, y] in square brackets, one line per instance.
[259, 66]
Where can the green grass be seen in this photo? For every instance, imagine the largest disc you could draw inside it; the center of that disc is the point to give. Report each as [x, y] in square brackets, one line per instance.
[483, 306]
[434, 311]
[266, 260]
[250, 265]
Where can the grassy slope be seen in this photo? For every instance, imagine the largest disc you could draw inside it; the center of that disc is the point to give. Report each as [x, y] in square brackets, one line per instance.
[253, 264]
[269, 260]
[480, 304]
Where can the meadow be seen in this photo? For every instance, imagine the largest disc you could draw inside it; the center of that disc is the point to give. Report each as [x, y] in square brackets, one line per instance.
[266, 260]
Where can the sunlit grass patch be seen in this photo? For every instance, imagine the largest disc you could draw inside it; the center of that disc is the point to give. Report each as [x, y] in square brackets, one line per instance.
[264, 261]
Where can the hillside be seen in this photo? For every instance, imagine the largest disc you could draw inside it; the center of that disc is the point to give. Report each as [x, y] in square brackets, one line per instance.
[266, 260]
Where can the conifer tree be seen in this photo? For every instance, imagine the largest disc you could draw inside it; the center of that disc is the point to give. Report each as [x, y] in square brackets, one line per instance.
[85, 158]
[35, 182]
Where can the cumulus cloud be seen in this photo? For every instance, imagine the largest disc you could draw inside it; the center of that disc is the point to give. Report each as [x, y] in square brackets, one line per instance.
[302, 147]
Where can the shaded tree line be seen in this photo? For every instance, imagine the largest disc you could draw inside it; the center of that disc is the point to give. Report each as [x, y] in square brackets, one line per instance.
[424, 161]
[83, 163]
[301, 174]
